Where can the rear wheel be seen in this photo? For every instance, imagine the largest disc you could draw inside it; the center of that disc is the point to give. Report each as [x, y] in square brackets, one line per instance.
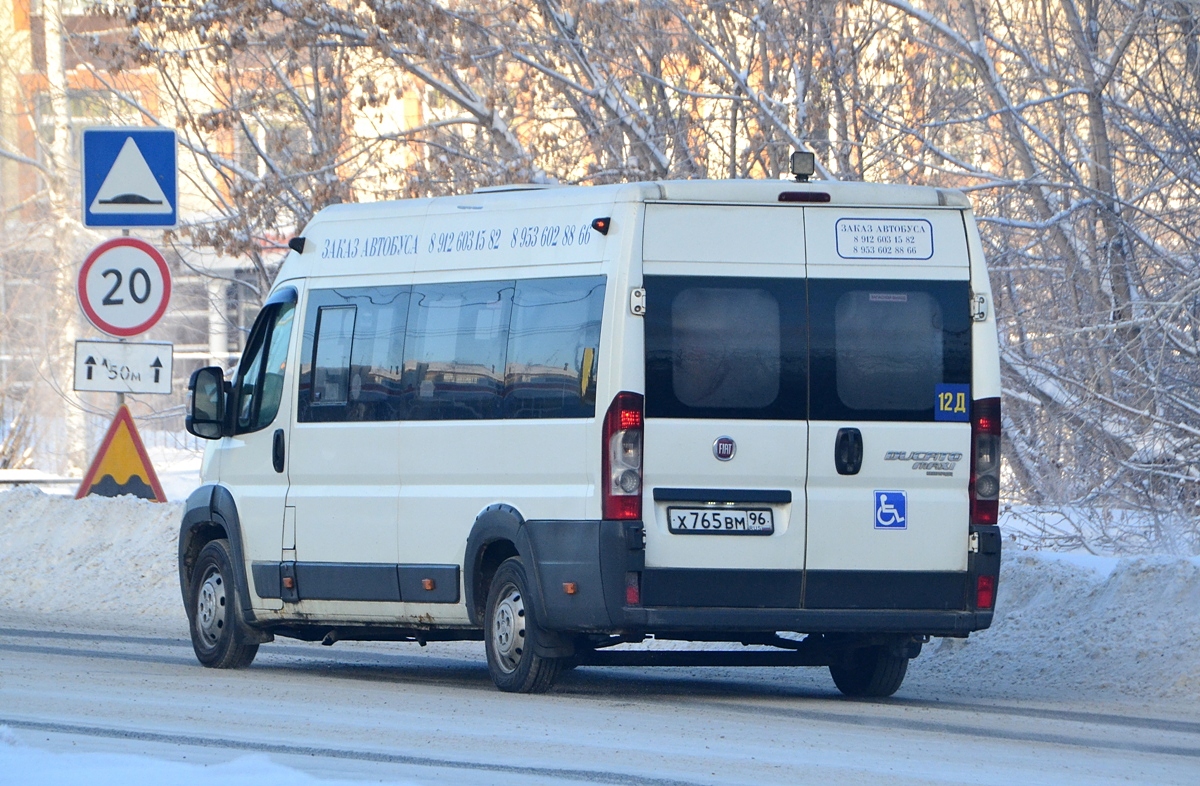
[511, 635]
[874, 672]
[217, 636]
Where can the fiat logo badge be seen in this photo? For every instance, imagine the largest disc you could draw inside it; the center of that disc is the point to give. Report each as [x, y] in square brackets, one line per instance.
[724, 448]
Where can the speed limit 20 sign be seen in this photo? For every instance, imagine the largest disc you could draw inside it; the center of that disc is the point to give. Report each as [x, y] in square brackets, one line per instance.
[124, 286]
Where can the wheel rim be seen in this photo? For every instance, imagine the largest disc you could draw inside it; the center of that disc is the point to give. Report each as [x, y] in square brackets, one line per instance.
[210, 608]
[508, 629]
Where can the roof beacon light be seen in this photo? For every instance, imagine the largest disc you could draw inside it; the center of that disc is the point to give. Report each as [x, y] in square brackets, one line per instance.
[804, 164]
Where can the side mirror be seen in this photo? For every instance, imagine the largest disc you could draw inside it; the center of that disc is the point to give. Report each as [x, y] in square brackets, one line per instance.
[206, 408]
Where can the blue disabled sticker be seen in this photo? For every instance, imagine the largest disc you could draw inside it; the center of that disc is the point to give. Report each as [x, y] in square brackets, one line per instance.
[891, 510]
[952, 402]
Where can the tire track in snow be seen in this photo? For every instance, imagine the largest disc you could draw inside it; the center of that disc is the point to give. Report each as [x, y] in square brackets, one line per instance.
[302, 651]
[941, 727]
[112, 637]
[30, 649]
[766, 706]
[379, 757]
[1102, 718]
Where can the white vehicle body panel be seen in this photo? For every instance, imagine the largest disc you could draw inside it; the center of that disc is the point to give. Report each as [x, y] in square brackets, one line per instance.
[843, 534]
[409, 491]
[725, 242]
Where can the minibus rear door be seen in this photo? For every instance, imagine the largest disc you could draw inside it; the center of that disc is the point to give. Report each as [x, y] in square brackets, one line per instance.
[890, 377]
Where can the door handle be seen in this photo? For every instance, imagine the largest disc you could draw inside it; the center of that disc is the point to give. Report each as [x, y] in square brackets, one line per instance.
[277, 450]
[848, 451]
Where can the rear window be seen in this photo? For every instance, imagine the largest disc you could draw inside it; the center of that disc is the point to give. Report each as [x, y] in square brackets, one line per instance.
[882, 349]
[725, 347]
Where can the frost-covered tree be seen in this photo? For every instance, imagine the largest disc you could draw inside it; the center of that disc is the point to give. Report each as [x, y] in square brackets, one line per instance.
[1071, 123]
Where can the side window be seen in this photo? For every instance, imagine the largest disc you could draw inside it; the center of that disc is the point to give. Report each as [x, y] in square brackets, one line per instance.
[455, 350]
[377, 359]
[331, 355]
[880, 349]
[352, 355]
[553, 342]
[726, 348]
[261, 373]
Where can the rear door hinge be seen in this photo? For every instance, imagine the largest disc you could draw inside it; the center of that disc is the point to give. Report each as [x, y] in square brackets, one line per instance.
[973, 543]
[979, 307]
[637, 302]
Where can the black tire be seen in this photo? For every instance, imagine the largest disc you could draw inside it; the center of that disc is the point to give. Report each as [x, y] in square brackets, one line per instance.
[217, 635]
[872, 672]
[511, 635]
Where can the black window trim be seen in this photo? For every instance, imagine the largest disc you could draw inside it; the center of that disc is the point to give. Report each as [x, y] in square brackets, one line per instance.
[304, 405]
[316, 347]
[264, 329]
[951, 294]
[286, 294]
[793, 379]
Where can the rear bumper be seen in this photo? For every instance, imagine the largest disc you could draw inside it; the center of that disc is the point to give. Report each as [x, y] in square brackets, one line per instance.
[594, 558]
[714, 620]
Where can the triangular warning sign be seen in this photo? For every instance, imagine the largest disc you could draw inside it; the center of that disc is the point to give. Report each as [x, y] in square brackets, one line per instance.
[130, 186]
[121, 465]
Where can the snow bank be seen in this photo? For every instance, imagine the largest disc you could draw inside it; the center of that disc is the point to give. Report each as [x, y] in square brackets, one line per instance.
[1065, 623]
[1102, 530]
[96, 557]
[1070, 624]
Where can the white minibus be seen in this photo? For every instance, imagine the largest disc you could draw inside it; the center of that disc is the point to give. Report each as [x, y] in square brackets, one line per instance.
[564, 419]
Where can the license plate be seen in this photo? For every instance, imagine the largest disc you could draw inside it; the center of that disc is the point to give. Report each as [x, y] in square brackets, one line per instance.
[720, 521]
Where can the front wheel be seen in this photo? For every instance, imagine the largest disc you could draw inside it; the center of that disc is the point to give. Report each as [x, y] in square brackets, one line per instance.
[869, 672]
[217, 637]
[511, 635]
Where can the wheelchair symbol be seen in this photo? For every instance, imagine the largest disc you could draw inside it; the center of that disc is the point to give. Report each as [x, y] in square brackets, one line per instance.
[891, 510]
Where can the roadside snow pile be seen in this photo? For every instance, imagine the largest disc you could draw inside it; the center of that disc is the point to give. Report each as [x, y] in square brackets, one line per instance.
[1066, 623]
[1074, 623]
[95, 556]
[1103, 530]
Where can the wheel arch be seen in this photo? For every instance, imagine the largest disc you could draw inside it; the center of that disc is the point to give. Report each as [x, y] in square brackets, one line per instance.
[209, 514]
[497, 534]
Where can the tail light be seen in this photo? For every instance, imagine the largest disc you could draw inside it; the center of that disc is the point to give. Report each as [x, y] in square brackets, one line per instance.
[633, 589]
[985, 592]
[985, 461]
[621, 481]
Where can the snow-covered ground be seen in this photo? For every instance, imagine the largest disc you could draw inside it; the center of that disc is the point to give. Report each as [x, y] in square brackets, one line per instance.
[1065, 622]
[30, 766]
[177, 468]
[1068, 625]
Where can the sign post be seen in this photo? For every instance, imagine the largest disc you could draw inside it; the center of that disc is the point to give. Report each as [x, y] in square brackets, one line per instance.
[124, 286]
[121, 465]
[130, 179]
[123, 367]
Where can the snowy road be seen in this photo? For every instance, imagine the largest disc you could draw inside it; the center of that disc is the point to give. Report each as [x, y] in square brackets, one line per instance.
[399, 713]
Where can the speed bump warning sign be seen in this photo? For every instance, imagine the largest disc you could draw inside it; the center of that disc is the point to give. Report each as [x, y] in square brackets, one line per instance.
[121, 465]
